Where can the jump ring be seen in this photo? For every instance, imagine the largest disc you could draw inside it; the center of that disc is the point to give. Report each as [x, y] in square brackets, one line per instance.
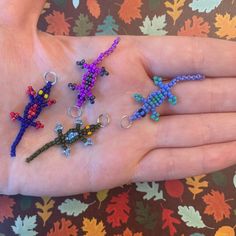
[75, 111]
[104, 120]
[125, 122]
[53, 76]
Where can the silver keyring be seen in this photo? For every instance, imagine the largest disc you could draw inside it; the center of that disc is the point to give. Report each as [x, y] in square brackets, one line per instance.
[125, 122]
[53, 75]
[104, 120]
[75, 111]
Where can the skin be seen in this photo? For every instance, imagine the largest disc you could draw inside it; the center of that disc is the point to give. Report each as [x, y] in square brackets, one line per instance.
[197, 136]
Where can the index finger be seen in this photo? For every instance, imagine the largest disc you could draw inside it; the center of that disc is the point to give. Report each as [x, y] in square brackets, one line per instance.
[173, 55]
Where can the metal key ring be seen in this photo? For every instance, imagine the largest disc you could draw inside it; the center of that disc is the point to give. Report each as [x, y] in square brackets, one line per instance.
[75, 111]
[104, 120]
[125, 122]
[51, 74]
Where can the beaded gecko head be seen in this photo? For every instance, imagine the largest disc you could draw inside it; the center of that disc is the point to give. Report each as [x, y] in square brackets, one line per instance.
[43, 93]
[50, 79]
[90, 129]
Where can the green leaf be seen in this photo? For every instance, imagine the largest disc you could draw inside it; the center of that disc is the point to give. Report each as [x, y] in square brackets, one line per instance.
[60, 3]
[197, 234]
[151, 191]
[144, 216]
[109, 27]
[83, 26]
[191, 217]
[153, 4]
[154, 26]
[72, 207]
[219, 179]
[102, 195]
[25, 227]
[235, 212]
[25, 202]
[204, 6]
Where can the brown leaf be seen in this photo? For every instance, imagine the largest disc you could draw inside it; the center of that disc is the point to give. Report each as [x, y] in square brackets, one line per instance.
[6, 205]
[195, 27]
[216, 205]
[57, 23]
[128, 232]
[130, 10]
[63, 228]
[94, 8]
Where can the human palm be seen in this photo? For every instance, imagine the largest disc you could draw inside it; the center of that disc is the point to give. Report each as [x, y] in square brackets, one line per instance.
[194, 137]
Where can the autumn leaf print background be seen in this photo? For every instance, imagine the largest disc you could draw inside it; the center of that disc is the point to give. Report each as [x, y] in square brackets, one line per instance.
[197, 206]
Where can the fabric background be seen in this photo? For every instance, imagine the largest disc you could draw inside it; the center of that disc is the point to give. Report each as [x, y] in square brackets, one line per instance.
[197, 206]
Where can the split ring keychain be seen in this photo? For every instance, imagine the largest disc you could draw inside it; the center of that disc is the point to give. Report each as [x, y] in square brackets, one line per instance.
[89, 78]
[155, 99]
[37, 101]
[73, 135]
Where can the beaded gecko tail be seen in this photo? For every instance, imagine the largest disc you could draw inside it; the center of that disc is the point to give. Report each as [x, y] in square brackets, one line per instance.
[40, 150]
[16, 141]
[185, 78]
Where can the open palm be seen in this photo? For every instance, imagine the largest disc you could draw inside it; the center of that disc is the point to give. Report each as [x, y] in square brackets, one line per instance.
[196, 136]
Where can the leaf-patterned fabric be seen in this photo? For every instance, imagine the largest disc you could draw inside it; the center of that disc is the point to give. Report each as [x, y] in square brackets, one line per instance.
[196, 206]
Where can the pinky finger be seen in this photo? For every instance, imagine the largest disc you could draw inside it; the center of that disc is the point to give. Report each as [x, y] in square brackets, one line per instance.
[177, 163]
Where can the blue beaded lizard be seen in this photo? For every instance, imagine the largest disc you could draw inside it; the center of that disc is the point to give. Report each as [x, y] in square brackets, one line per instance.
[31, 112]
[156, 98]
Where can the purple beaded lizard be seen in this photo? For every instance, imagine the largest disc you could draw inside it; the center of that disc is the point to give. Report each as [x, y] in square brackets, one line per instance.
[89, 78]
[32, 111]
[156, 99]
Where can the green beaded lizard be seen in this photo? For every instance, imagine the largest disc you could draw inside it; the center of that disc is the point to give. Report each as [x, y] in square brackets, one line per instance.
[67, 139]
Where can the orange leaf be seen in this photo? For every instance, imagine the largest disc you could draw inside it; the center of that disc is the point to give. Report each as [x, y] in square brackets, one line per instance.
[226, 26]
[57, 23]
[175, 8]
[225, 230]
[6, 205]
[195, 27]
[92, 227]
[130, 10]
[128, 232]
[94, 8]
[216, 205]
[63, 227]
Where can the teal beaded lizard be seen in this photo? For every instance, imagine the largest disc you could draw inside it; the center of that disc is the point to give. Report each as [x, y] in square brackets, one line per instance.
[71, 136]
[157, 97]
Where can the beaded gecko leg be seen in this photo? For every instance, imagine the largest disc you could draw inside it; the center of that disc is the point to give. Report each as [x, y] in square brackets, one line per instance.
[89, 78]
[156, 99]
[32, 110]
[71, 136]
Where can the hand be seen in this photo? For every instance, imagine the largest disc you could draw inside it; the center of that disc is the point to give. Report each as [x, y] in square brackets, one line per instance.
[194, 137]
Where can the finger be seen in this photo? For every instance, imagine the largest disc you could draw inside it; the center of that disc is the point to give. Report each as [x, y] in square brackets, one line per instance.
[23, 13]
[190, 130]
[209, 95]
[172, 55]
[175, 163]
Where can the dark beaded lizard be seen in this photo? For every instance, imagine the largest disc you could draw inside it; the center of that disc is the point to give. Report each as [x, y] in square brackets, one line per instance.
[67, 139]
[31, 112]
